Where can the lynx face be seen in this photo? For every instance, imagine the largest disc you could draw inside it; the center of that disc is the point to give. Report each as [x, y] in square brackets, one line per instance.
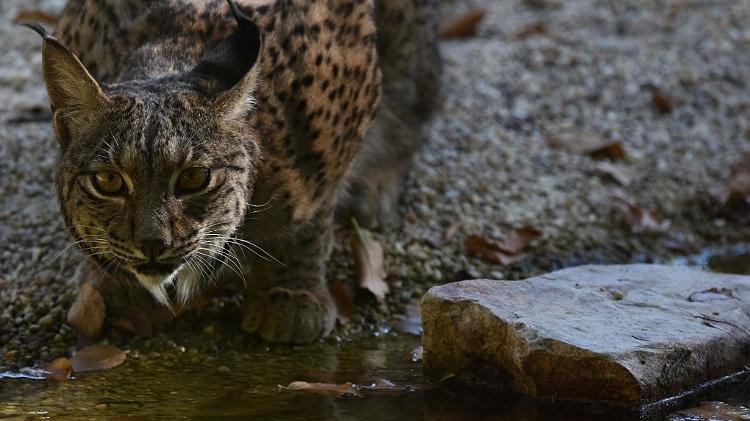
[156, 186]
[155, 175]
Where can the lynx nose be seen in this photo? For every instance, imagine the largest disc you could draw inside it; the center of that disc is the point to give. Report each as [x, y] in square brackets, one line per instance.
[153, 247]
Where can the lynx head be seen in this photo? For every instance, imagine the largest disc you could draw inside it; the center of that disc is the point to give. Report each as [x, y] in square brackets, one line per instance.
[155, 175]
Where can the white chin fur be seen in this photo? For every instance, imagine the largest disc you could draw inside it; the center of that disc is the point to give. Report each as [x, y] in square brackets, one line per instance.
[187, 285]
[157, 286]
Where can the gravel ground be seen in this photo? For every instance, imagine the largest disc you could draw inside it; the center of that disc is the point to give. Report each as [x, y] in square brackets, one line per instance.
[488, 165]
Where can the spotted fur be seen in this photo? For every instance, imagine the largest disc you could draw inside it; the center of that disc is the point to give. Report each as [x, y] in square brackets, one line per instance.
[298, 108]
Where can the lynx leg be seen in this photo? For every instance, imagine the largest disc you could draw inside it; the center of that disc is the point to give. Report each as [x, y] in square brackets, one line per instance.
[291, 303]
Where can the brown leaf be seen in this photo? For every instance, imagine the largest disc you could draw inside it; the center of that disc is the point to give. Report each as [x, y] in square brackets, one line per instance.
[621, 174]
[344, 302]
[59, 369]
[131, 319]
[542, 4]
[97, 357]
[712, 410]
[534, 28]
[86, 314]
[502, 252]
[733, 200]
[519, 239]
[438, 241]
[369, 265]
[36, 16]
[662, 102]
[31, 114]
[463, 26]
[585, 143]
[344, 389]
[640, 221]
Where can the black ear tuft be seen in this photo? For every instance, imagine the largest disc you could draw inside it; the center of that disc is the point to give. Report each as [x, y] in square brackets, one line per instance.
[39, 29]
[235, 10]
[232, 58]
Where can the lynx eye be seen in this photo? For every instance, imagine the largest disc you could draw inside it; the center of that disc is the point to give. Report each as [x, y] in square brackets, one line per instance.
[108, 183]
[192, 179]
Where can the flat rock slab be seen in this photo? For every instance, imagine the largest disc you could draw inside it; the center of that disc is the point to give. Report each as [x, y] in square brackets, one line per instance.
[632, 335]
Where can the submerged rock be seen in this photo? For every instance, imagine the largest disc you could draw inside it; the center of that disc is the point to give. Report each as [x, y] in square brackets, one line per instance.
[630, 335]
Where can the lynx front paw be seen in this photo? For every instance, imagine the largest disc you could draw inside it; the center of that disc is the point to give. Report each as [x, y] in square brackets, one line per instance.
[290, 316]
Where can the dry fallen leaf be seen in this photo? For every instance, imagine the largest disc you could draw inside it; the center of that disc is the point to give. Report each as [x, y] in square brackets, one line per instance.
[342, 390]
[344, 302]
[589, 144]
[733, 200]
[31, 114]
[36, 16]
[59, 369]
[489, 250]
[506, 252]
[519, 239]
[640, 221]
[439, 241]
[543, 4]
[662, 102]
[534, 28]
[86, 314]
[621, 174]
[97, 357]
[463, 26]
[713, 410]
[369, 264]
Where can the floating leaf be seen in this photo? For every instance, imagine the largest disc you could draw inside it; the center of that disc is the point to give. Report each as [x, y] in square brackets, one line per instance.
[36, 16]
[638, 219]
[463, 26]
[59, 369]
[621, 174]
[586, 143]
[342, 390]
[713, 410]
[97, 357]
[369, 263]
[86, 314]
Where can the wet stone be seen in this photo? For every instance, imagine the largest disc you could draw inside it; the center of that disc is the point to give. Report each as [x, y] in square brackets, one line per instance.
[631, 335]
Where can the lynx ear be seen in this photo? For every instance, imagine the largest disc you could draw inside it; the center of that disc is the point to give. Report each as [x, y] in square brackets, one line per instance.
[76, 98]
[229, 71]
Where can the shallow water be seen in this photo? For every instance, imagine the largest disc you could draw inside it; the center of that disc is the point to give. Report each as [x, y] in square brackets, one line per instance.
[247, 386]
